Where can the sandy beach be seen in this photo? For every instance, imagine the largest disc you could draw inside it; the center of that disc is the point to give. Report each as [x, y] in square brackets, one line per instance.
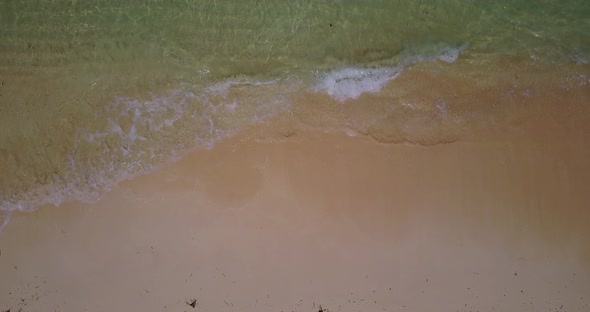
[282, 217]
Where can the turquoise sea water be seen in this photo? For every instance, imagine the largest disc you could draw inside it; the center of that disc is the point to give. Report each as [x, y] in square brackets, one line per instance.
[94, 92]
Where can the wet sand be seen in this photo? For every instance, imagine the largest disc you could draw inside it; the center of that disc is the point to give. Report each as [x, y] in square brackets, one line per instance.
[283, 217]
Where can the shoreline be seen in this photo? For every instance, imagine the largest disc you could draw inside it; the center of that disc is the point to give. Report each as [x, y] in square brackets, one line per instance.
[101, 138]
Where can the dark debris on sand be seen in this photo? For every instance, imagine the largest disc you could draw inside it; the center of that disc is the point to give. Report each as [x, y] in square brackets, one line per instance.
[192, 303]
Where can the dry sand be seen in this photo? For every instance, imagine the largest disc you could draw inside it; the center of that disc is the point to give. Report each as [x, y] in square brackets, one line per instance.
[297, 219]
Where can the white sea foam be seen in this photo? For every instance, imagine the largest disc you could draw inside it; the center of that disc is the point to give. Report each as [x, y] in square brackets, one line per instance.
[352, 82]
[449, 55]
[138, 135]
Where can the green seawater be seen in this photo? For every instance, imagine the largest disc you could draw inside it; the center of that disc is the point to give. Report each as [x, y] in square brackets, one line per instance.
[94, 92]
[272, 37]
